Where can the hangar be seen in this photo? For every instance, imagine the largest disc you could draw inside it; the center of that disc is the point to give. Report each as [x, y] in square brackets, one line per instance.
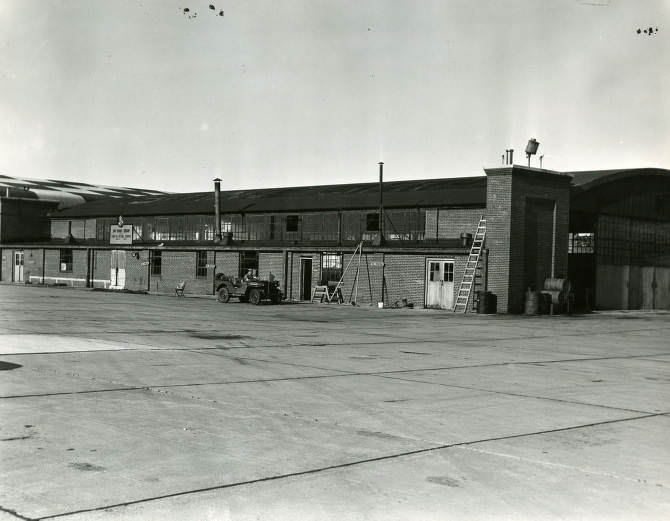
[607, 231]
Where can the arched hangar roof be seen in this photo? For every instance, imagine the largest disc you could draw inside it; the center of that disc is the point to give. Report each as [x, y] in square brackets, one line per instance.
[594, 189]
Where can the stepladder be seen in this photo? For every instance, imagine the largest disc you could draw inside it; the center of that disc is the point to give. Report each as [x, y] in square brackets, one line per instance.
[472, 273]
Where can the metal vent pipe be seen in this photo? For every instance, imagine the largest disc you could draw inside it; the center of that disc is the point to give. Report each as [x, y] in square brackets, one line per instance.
[381, 200]
[217, 209]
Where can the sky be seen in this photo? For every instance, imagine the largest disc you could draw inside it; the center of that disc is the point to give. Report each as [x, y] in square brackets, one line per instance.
[290, 93]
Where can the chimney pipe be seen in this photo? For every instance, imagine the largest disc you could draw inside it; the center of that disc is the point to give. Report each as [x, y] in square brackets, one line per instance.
[217, 209]
[503, 159]
[381, 201]
[511, 156]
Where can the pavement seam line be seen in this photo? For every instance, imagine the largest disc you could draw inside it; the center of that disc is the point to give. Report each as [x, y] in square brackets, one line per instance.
[343, 373]
[562, 466]
[15, 514]
[346, 465]
[505, 393]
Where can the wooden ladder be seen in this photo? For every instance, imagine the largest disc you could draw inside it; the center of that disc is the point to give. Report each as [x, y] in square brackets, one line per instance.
[471, 267]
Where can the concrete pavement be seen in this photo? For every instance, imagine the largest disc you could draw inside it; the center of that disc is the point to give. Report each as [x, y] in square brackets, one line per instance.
[120, 406]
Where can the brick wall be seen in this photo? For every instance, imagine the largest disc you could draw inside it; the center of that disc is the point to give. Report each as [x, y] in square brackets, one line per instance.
[369, 278]
[454, 221]
[431, 224]
[179, 266]
[498, 218]
[137, 270]
[32, 265]
[7, 258]
[405, 278]
[101, 268]
[513, 194]
[76, 277]
[448, 223]
[272, 262]
[227, 262]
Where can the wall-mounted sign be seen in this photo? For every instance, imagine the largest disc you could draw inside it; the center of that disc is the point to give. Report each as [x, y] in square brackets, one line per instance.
[210, 266]
[144, 263]
[377, 263]
[121, 234]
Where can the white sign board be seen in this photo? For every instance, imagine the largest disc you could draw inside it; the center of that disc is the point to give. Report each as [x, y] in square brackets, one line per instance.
[121, 234]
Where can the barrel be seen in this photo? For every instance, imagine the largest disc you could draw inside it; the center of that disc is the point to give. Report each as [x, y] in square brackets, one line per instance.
[551, 284]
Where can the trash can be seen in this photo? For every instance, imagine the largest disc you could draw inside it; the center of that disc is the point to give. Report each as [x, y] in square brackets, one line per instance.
[487, 303]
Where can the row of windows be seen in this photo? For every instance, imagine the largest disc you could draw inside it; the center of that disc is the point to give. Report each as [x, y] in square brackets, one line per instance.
[331, 263]
[348, 226]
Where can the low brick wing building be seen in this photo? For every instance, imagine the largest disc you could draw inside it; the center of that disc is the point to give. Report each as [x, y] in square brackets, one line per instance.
[602, 230]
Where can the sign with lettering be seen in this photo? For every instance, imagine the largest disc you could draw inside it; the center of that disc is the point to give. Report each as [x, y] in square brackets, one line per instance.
[121, 234]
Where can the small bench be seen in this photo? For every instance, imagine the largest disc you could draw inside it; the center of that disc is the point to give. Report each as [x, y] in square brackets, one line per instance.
[179, 289]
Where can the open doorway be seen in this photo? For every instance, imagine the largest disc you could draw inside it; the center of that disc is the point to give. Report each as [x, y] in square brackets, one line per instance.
[305, 278]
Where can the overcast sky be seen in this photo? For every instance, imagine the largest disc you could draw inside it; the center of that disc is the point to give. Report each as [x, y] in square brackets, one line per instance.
[280, 93]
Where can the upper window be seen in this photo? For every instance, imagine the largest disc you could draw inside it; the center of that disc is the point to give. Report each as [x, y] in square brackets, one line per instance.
[581, 243]
[201, 264]
[292, 223]
[65, 260]
[372, 222]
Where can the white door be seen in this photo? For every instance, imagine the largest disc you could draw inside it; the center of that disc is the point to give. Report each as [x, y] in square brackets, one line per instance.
[440, 283]
[118, 269]
[18, 266]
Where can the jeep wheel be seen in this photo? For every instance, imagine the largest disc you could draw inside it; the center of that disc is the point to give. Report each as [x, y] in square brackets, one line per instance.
[255, 297]
[224, 295]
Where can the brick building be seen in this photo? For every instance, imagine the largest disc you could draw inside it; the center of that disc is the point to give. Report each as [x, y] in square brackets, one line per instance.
[607, 231]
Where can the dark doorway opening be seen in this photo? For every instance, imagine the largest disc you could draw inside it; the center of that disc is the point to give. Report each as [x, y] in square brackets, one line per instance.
[306, 279]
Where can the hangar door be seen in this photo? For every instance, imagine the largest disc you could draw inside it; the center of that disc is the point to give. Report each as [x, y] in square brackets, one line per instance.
[633, 266]
[440, 283]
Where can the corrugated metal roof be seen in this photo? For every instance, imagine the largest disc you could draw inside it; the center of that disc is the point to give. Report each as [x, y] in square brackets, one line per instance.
[66, 193]
[588, 179]
[450, 192]
[466, 191]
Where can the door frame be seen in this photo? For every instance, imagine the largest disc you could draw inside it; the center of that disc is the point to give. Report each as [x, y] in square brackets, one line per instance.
[16, 255]
[442, 261]
[303, 262]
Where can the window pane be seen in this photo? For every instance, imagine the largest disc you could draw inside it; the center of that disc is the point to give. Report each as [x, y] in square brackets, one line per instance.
[65, 260]
[201, 264]
[156, 262]
[291, 223]
[372, 222]
[434, 271]
[448, 271]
